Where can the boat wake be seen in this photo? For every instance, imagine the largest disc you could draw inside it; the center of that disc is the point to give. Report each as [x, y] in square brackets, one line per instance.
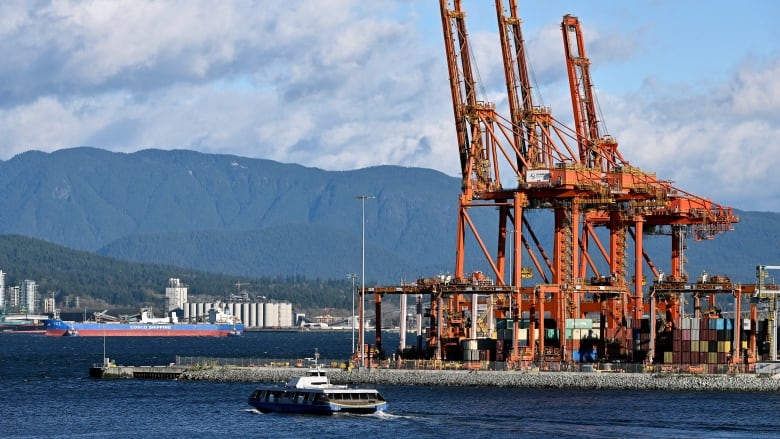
[386, 415]
[378, 415]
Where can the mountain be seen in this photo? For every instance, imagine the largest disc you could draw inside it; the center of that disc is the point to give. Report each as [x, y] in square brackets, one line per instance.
[259, 218]
[221, 212]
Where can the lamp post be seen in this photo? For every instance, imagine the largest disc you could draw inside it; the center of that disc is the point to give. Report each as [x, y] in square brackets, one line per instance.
[363, 199]
[352, 276]
[511, 269]
[510, 235]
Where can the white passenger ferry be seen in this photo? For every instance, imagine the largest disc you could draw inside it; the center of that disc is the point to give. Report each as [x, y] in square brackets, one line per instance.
[313, 393]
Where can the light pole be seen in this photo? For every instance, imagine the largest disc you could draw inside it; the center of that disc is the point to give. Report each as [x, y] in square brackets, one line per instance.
[510, 235]
[352, 276]
[363, 199]
[511, 270]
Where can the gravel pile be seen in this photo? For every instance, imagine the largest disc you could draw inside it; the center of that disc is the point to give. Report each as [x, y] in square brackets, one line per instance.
[556, 380]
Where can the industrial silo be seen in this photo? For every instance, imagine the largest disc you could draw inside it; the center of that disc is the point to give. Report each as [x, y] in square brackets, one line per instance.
[259, 314]
[285, 315]
[252, 316]
[270, 315]
[244, 316]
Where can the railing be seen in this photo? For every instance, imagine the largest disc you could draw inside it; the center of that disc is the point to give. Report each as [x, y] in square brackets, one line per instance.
[251, 361]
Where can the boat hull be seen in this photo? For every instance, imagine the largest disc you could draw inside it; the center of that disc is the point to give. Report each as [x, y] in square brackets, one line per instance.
[57, 328]
[324, 409]
[25, 323]
[27, 328]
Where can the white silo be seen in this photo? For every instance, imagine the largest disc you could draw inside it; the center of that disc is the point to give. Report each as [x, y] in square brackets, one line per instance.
[271, 315]
[252, 316]
[285, 315]
[244, 314]
[259, 313]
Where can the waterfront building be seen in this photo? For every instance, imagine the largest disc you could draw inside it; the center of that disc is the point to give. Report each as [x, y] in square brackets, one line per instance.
[29, 296]
[175, 294]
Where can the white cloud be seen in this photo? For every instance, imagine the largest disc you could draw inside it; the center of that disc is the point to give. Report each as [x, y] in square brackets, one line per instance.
[343, 84]
[755, 90]
[719, 143]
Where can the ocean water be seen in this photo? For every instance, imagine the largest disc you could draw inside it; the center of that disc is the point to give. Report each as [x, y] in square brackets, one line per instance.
[45, 392]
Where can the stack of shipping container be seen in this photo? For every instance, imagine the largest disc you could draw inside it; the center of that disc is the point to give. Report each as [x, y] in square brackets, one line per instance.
[706, 342]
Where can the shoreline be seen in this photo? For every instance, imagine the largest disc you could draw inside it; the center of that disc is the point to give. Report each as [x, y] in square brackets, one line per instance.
[512, 379]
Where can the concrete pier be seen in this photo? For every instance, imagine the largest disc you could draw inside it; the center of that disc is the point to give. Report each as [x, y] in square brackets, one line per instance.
[557, 380]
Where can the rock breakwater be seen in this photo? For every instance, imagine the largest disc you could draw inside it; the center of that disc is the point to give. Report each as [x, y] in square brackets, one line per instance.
[558, 380]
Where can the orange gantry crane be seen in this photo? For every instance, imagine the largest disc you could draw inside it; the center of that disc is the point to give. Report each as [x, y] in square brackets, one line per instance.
[580, 176]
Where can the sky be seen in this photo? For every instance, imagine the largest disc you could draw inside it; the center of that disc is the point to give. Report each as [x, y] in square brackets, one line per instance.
[690, 89]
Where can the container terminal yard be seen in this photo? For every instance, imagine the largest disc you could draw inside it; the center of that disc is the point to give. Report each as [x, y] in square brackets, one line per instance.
[590, 292]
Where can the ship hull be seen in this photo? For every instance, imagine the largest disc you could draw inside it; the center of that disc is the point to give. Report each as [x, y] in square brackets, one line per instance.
[60, 328]
[25, 323]
[26, 328]
[326, 409]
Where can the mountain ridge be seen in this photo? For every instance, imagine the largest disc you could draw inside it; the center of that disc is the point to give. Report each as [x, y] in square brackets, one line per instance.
[256, 217]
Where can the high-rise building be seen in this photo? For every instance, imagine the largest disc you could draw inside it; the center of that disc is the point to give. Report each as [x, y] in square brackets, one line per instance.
[29, 297]
[175, 294]
[14, 297]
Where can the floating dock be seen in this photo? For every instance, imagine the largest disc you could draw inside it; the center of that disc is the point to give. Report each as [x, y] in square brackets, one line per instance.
[109, 370]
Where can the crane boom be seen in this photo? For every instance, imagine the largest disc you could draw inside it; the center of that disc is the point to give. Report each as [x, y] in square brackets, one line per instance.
[462, 84]
[516, 73]
[582, 99]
